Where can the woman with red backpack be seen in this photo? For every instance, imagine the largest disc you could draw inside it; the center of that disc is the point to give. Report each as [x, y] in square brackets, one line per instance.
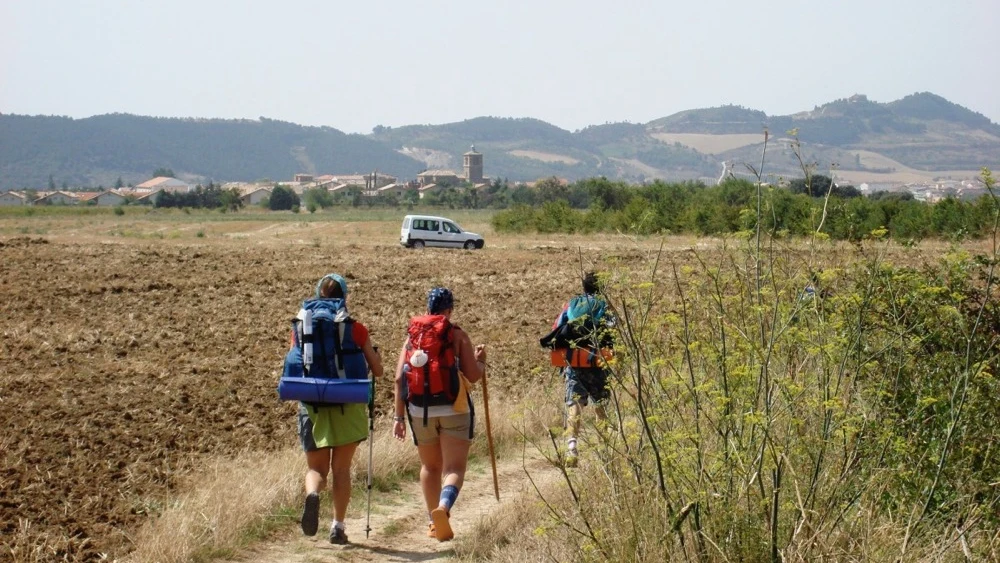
[436, 364]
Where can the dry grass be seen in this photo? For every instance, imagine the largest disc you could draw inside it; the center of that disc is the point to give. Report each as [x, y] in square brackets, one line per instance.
[226, 501]
[234, 502]
[519, 532]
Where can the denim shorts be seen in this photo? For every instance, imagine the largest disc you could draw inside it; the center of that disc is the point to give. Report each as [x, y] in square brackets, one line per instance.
[586, 384]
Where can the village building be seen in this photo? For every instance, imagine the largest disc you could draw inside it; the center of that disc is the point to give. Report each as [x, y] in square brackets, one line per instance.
[429, 177]
[399, 190]
[163, 183]
[472, 163]
[110, 198]
[147, 198]
[55, 198]
[254, 195]
[14, 198]
[472, 168]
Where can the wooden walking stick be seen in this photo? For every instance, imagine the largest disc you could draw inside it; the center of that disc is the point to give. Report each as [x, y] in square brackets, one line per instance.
[489, 435]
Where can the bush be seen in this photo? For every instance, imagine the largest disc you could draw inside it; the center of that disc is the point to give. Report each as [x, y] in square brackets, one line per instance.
[282, 198]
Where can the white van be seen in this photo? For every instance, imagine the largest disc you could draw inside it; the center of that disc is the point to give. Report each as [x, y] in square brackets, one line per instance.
[426, 230]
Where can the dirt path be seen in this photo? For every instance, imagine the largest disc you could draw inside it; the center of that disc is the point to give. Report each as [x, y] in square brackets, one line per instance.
[399, 521]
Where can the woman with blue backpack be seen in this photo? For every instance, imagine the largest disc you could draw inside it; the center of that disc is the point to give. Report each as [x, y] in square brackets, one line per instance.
[334, 346]
[581, 344]
[436, 366]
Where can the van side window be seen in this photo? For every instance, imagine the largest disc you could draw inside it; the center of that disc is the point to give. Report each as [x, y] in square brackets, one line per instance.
[450, 228]
[420, 224]
[434, 226]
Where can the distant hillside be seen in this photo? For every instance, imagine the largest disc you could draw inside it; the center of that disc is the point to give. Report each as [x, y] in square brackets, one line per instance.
[718, 121]
[98, 150]
[528, 149]
[916, 138]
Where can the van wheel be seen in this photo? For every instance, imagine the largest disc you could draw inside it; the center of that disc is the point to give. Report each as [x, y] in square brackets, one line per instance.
[470, 244]
[418, 244]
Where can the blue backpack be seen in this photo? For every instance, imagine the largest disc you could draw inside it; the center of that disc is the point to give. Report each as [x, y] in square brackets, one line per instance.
[586, 309]
[323, 351]
[582, 325]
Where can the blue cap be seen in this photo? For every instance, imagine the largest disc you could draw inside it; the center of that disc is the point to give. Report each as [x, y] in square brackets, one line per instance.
[335, 277]
[439, 300]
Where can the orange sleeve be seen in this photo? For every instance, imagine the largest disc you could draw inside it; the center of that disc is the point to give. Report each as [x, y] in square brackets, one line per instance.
[360, 334]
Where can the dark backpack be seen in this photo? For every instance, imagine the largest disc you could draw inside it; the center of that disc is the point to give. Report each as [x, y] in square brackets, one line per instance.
[324, 348]
[429, 366]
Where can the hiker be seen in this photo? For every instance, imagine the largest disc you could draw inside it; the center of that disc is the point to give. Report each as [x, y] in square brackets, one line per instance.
[434, 397]
[581, 342]
[330, 434]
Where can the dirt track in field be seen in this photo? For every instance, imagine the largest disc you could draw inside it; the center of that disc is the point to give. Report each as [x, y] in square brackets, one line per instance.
[125, 360]
[399, 529]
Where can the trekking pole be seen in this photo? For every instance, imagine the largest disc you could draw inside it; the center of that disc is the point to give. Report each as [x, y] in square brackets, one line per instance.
[371, 447]
[489, 435]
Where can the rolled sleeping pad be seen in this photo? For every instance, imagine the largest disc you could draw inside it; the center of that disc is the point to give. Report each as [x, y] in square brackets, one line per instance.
[324, 391]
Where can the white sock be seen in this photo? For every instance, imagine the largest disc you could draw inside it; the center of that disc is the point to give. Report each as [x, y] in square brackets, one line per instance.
[338, 524]
[572, 444]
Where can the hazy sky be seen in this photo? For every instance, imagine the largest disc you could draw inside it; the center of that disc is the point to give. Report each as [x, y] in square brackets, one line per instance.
[357, 64]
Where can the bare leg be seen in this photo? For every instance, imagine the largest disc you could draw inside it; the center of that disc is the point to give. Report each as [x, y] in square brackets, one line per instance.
[430, 473]
[341, 490]
[599, 410]
[573, 414]
[318, 462]
[455, 460]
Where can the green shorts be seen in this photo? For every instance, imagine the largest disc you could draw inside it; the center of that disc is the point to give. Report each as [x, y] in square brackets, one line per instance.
[332, 426]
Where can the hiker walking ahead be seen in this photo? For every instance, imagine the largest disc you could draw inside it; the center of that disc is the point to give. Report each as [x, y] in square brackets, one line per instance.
[330, 434]
[432, 395]
[581, 342]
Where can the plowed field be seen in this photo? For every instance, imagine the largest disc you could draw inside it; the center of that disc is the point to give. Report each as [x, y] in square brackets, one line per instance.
[129, 350]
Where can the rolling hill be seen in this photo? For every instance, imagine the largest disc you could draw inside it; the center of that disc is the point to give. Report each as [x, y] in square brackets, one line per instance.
[916, 138]
[98, 150]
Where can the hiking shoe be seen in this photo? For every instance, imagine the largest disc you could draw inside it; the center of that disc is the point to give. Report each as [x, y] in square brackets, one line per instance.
[338, 536]
[430, 531]
[441, 525]
[310, 515]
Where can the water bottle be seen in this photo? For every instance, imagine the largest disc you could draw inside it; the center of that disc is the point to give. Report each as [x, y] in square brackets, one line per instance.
[307, 344]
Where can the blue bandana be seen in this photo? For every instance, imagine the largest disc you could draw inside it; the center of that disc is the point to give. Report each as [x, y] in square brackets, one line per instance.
[335, 277]
[439, 300]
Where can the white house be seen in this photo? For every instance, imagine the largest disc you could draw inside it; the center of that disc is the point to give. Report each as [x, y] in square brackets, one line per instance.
[429, 188]
[109, 198]
[147, 198]
[13, 198]
[254, 195]
[56, 198]
[163, 183]
[398, 189]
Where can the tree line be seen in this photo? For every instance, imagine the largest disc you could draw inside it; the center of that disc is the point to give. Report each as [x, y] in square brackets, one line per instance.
[802, 208]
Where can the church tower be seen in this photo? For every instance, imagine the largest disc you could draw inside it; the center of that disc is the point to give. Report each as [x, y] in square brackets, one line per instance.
[472, 161]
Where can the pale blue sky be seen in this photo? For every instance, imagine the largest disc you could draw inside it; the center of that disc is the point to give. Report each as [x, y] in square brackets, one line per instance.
[353, 65]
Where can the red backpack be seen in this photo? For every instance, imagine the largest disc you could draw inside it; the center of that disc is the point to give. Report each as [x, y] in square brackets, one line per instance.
[429, 364]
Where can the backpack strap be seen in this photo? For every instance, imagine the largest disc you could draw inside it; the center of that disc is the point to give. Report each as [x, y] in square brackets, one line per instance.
[338, 351]
[427, 389]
